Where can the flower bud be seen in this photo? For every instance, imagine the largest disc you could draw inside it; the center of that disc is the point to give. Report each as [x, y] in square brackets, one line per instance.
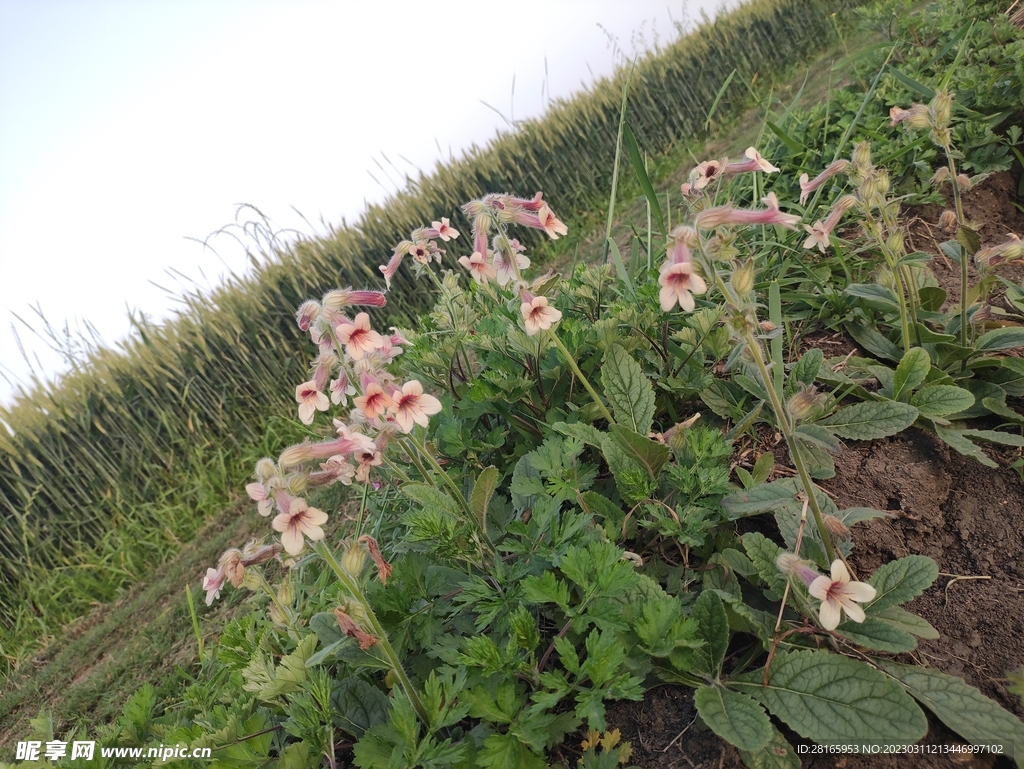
[265, 468]
[286, 593]
[792, 566]
[354, 560]
[895, 242]
[836, 528]
[941, 108]
[307, 313]
[964, 182]
[940, 176]
[861, 157]
[806, 403]
[948, 221]
[742, 280]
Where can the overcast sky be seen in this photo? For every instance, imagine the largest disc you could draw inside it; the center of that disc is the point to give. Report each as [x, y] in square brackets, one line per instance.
[130, 127]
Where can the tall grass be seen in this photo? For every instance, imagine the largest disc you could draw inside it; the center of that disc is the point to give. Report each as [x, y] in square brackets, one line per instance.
[129, 454]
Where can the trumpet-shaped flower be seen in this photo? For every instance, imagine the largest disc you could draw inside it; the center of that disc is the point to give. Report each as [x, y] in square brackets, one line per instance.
[678, 284]
[358, 337]
[821, 231]
[704, 174]
[299, 520]
[478, 267]
[412, 406]
[839, 593]
[720, 215]
[503, 269]
[212, 583]
[753, 162]
[807, 185]
[1010, 251]
[550, 223]
[344, 297]
[444, 230]
[310, 400]
[537, 314]
[374, 401]
[341, 388]
[258, 493]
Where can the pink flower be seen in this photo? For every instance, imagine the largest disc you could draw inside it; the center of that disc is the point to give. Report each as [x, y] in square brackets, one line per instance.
[366, 460]
[478, 267]
[341, 388]
[679, 283]
[821, 231]
[358, 337]
[212, 583]
[550, 223]
[754, 162]
[840, 593]
[917, 117]
[444, 230]
[298, 521]
[420, 251]
[258, 493]
[537, 314]
[503, 269]
[307, 313]
[702, 175]
[807, 187]
[310, 400]
[716, 217]
[373, 402]
[392, 266]
[344, 297]
[1010, 251]
[412, 405]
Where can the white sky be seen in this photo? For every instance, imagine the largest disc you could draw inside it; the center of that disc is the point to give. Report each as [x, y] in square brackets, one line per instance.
[129, 126]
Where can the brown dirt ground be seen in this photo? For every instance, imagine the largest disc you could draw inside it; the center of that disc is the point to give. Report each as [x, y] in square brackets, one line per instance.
[969, 518]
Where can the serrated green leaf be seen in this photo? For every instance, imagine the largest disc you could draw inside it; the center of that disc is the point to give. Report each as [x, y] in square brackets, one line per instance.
[868, 421]
[628, 390]
[969, 239]
[877, 634]
[962, 708]
[632, 479]
[942, 400]
[589, 434]
[776, 754]
[709, 612]
[816, 435]
[650, 454]
[908, 622]
[1000, 339]
[483, 490]
[734, 717]
[358, 706]
[911, 372]
[900, 581]
[505, 751]
[833, 699]
[994, 436]
[428, 496]
[290, 674]
[763, 554]
[805, 370]
[958, 441]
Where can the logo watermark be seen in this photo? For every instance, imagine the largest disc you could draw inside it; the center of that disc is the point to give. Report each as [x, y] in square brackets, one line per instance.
[54, 750]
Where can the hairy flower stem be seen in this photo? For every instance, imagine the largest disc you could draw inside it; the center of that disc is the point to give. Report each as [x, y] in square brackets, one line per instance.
[782, 418]
[963, 251]
[876, 230]
[351, 585]
[287, 613]
[510, 252]
[579, 374]
[459, 496]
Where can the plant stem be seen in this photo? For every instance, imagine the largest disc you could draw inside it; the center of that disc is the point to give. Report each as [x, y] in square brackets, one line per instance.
[963, 251]
[579, 374]
[352, 586]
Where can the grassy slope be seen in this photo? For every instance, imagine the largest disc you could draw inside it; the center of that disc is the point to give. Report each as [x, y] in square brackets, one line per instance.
[85, 675]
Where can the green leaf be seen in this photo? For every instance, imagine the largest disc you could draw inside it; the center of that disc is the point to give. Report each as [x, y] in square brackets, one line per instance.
[874, 342]
[877, 634]
[581, 431]
[763, 554]
[969, 239]
[901, 580]
[1000, 339]
[428, 496]
[734, 717]
[942, 400]
[714, 628]
[651, 454]
[484, 488]
[632, 479]
[628, 390]
[994, 436]
[776, 754]
[878, 297]
[504, 751]
[956, 440]
[358, 706]
[908, 622]
[816, 435]
[913, 85]
[620, 266]
[833, 699]
[911, 372]
[806, 369]
[868, 421]
[962, 708]
[291, 673]
[633, 150]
